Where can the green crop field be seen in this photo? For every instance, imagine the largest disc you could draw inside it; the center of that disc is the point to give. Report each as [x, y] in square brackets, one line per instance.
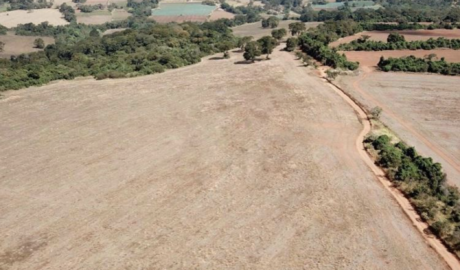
[183, 9]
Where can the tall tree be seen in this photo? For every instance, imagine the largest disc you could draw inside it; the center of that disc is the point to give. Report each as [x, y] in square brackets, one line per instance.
[251, 51]
[267, 44]
[39, 43]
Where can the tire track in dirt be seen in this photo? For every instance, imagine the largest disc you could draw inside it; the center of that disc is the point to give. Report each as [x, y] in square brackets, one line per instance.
[406, 206]
[438, 150]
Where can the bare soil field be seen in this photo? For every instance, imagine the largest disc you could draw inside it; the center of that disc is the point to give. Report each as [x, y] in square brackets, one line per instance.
[205, 172]
[410, 35]
[220, 14]
[15, 45]
[422, 109]
[256, 30]
[36, 16]
[371, 58]
[120, 14]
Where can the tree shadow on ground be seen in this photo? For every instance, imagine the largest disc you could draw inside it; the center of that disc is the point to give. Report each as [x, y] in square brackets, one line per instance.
[244, 62]
[217, 58]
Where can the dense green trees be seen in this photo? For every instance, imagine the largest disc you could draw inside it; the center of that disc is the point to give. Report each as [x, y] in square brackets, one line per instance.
[395, 38]
[244, 14]
[39, 43]
[278, 34]
[291, 44]
[3, 30]
[430, 44]
[90, 8]
[68, 12]
[270, 22]
[128, 53]
[414, 64]
[141, 8]
[297, 28]
[315, 43]
[424, 182]
[252, 51]
[267, 44]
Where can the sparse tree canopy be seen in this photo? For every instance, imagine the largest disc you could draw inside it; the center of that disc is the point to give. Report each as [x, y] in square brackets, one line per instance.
[376, 112]
[251, 51]
[2, 46]
[225, 47]
[39, 43]
[267, 44]
[243, 41]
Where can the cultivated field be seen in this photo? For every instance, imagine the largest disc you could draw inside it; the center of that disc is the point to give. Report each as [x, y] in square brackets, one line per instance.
[15, 45]
[233, 166]
[422, 109]
[256, 30]
[36, 16]
[371, 58]
[410, 35]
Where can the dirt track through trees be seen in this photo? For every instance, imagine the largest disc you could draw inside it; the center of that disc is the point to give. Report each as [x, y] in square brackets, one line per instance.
[219, 165]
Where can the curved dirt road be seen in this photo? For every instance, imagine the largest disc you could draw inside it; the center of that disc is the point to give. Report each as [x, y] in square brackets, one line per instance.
[447, 159]
[411, 213]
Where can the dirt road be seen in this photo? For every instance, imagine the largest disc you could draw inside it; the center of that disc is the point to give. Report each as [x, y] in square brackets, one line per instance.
[405, 204]
[426, 120]
[215, 166]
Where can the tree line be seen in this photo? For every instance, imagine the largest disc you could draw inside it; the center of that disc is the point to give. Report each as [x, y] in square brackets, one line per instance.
[364, 44]
[414, 64]
[424, 183]
[315, 42]
[123, 54]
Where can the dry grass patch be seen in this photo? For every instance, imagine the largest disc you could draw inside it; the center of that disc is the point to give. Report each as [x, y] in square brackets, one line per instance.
[15, 45]
[36, 16]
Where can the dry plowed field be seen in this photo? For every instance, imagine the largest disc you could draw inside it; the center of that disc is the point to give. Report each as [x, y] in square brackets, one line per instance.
[371, 58]
[410, 35]
[213, 166]
[422, 109]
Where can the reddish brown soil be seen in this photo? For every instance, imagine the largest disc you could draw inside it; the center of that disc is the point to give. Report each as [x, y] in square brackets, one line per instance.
[371, 59]
[410, 35]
